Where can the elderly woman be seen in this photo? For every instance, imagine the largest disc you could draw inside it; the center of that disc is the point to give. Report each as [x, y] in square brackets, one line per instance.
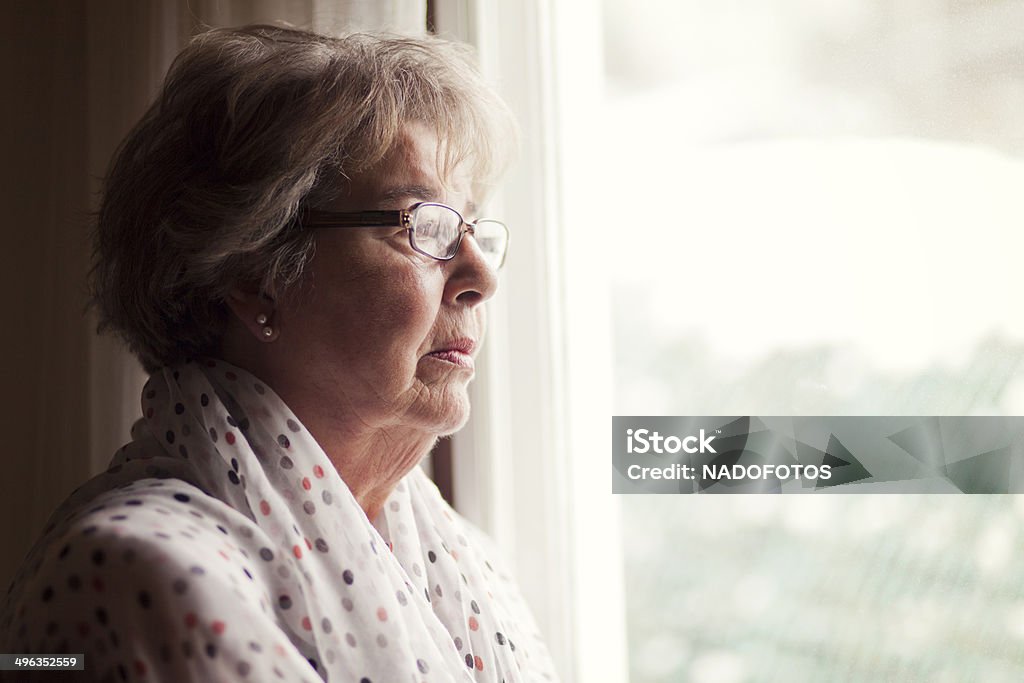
[289, 241]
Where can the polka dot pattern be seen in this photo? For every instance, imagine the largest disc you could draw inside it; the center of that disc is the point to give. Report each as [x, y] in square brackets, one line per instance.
[221, 544]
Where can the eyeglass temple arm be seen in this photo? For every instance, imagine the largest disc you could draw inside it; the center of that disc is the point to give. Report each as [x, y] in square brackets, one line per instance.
[317, 218]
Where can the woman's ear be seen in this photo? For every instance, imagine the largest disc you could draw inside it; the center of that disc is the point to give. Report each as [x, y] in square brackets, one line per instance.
[255, 309]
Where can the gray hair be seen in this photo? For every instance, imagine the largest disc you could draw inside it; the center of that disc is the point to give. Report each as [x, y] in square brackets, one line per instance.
[252, 123]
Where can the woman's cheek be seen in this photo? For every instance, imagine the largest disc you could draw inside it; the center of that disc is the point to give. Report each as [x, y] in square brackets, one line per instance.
[419, 302]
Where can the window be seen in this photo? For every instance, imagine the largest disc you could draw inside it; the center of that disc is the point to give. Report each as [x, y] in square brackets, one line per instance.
[773, 207]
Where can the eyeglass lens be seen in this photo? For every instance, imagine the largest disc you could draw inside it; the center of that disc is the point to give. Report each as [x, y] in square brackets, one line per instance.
[436, 231]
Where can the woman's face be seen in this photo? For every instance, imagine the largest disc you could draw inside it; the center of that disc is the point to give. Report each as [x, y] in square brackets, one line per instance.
[376, 332]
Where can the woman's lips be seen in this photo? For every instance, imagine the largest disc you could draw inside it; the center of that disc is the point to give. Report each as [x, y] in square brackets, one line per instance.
[457, 351]
[454, 357]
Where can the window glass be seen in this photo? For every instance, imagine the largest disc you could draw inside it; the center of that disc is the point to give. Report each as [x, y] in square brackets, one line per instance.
[814, 208]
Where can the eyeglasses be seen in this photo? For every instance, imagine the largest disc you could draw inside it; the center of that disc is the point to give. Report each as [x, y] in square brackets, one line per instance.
[435, 230]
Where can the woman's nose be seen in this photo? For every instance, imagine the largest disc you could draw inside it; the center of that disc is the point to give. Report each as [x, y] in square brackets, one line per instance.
[472, 279]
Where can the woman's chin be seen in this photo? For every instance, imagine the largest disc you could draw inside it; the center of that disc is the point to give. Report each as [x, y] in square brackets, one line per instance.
[447, 413]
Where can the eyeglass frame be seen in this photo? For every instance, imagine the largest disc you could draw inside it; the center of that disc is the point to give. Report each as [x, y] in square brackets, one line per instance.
[395, 218]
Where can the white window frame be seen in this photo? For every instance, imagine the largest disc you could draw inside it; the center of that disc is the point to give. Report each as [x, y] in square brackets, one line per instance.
[531, 468]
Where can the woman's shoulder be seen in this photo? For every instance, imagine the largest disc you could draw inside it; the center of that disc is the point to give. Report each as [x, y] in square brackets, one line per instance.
[142, 521]
[151, 575]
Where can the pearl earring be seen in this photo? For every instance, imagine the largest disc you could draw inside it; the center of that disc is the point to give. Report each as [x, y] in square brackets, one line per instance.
[268, 331]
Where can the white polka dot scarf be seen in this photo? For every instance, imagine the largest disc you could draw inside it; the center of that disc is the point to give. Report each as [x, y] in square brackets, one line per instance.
[244, 555]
